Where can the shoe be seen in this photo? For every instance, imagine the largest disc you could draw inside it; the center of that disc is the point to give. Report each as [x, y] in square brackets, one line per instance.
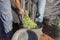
[39, 24]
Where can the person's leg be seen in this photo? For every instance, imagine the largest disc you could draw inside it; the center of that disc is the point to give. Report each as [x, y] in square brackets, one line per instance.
[9, 35]
[33, 11]
[6, 17]
[41, 9]
[2, 33]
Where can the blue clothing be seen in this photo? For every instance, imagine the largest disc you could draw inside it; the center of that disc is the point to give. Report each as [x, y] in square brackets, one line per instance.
[41, 10]
[6, 17]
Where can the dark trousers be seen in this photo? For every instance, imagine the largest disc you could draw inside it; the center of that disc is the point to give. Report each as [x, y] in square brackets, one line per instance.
[2, 32]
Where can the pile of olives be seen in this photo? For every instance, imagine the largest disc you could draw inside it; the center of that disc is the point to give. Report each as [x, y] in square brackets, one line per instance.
[28, 22]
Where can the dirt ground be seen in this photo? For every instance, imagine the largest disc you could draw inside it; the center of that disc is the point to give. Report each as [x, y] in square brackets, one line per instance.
[46, 37]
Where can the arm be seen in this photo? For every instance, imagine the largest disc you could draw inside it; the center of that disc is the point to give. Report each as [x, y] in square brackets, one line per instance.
[18, 5]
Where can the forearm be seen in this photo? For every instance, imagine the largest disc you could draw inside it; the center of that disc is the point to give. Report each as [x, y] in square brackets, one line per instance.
[17, 4]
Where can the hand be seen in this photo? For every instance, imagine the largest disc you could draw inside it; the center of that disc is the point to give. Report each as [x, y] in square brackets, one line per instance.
[21, 11]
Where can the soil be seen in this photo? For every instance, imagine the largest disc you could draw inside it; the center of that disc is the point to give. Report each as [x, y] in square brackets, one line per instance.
[46, 37]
